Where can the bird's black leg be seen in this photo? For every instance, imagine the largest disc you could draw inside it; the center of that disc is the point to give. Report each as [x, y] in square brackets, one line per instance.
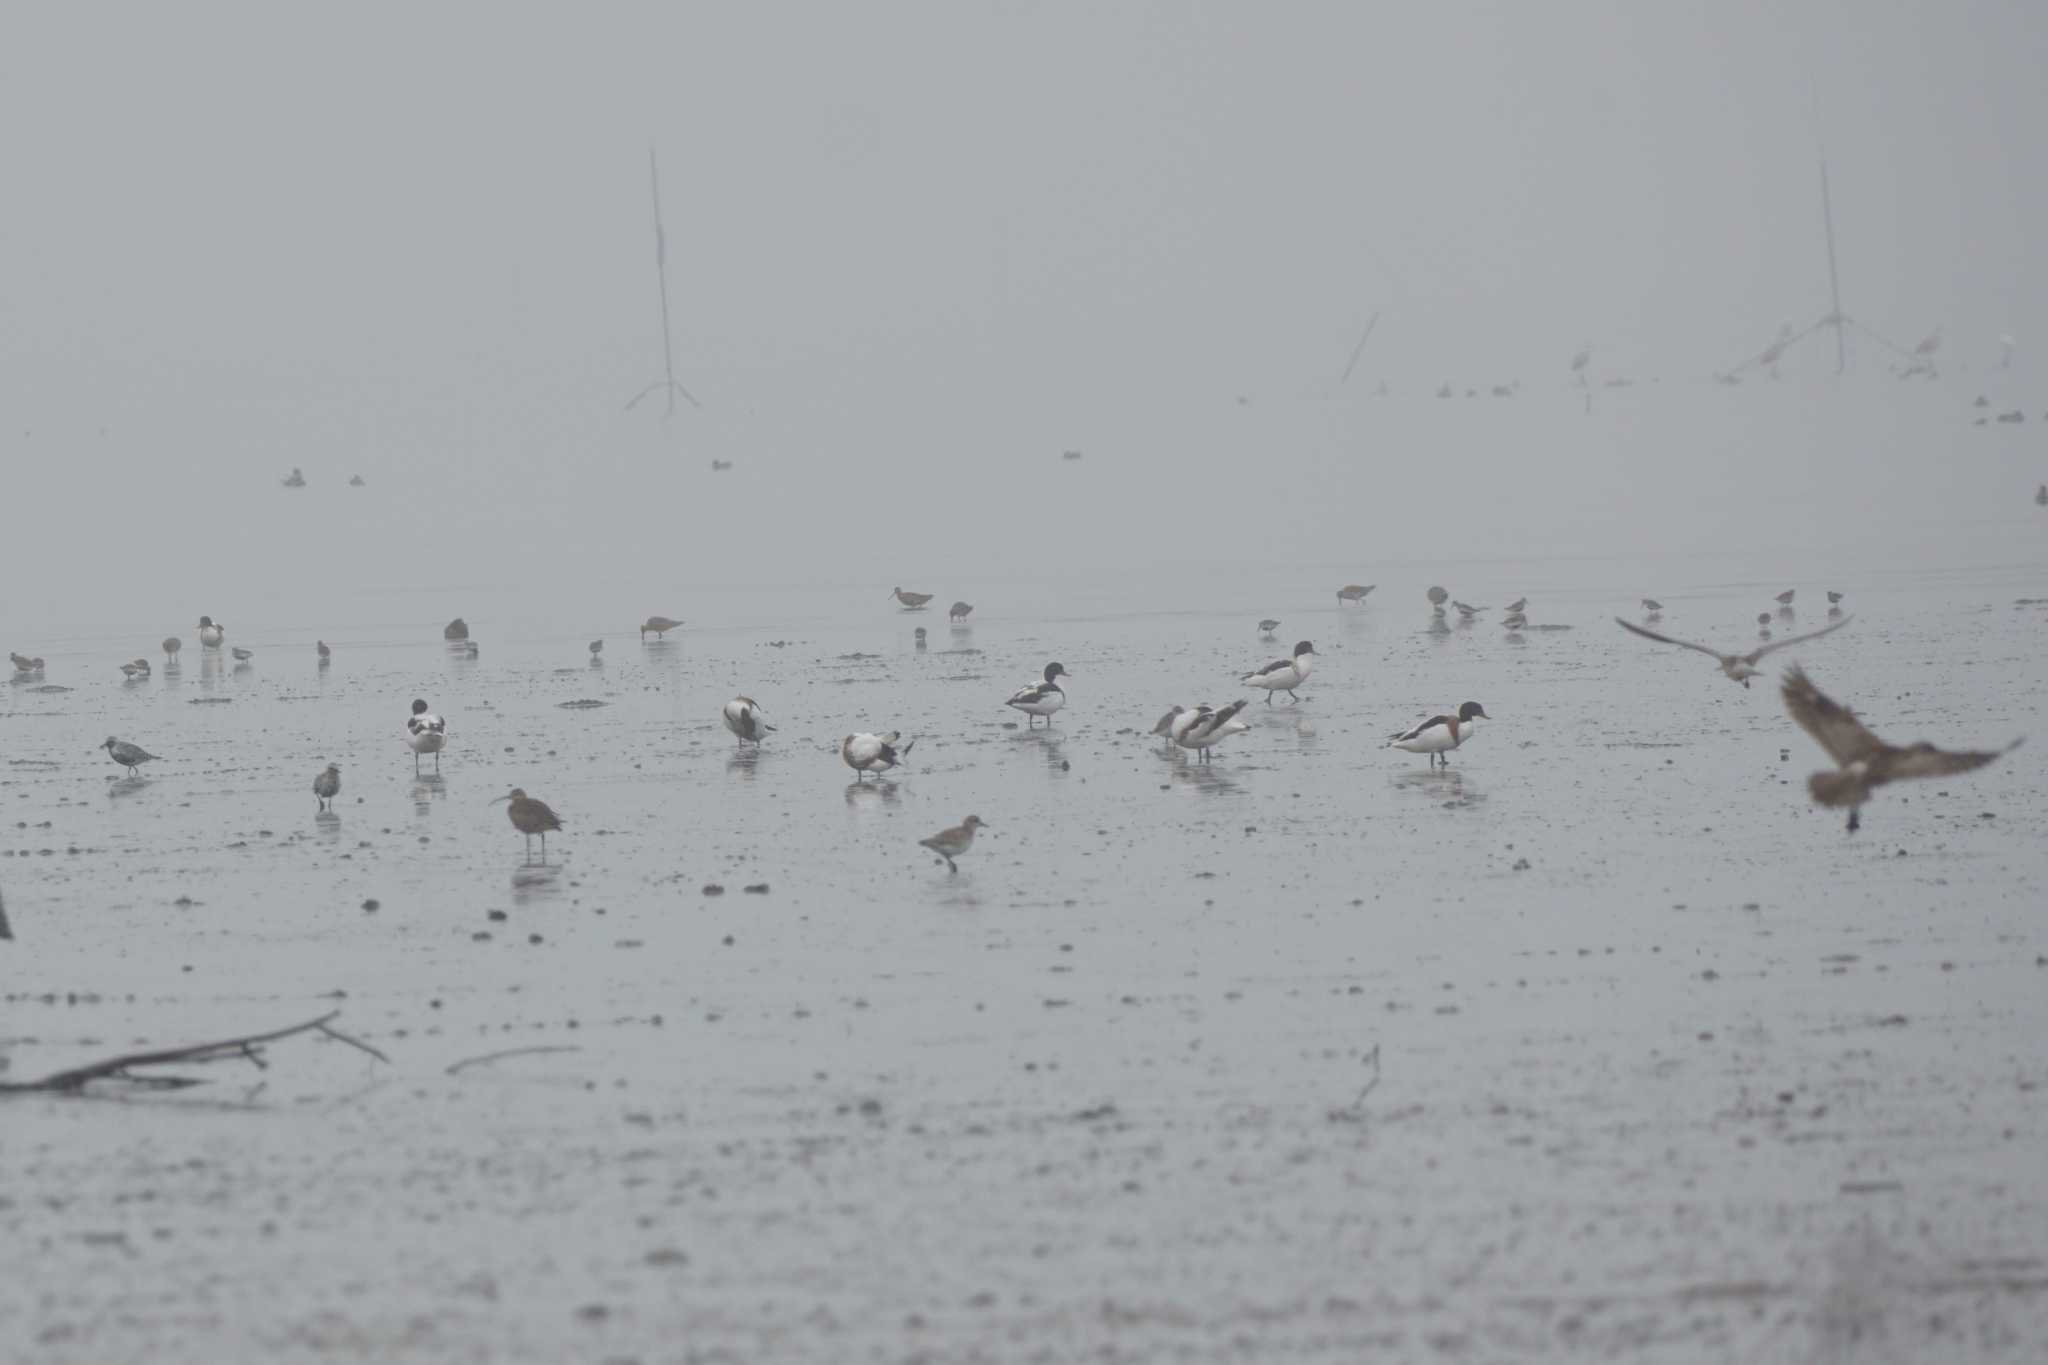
[1855, 818]
[1269, 696]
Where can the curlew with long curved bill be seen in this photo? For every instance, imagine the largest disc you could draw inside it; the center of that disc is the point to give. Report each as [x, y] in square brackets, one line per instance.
[530, 816]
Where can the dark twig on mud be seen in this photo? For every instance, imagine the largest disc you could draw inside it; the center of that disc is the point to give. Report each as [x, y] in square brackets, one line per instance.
[488, 1057]
[123, 1068]
[1372, 1059]
[5, 932]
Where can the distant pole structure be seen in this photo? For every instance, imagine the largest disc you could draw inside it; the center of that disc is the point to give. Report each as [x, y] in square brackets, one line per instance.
[1827, 218]
[1359, 349]
[667, 383]
[1835, 318]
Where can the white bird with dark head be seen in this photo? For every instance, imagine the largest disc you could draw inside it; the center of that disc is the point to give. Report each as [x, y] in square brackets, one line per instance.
[1284, 675]
[1041, 698]
[1438, 735]
[876, 754]
[425, 733]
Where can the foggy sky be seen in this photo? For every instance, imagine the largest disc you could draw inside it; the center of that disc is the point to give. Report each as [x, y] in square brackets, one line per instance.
[913, 245]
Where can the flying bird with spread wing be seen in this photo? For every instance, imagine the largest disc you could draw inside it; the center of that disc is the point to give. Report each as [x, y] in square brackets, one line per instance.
[1739, 667]
[1865, 762]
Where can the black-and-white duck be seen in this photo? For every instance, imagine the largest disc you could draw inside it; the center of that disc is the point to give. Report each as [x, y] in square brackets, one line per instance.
[1284, 675]
[1438, 735]
[1204, 728]
[425, 733]
[1041, 698]
[743, 718]
[872, 753]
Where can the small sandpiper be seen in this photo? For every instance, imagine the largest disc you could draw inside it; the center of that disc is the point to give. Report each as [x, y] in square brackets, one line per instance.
[959, 611]
[660, 626]
[136, 669]
[129, 756]
[951, 843]
[328, 785]
[1354, 592]
[242, 656]
[326, 654]
[912, 601]
[1517, 606]
[1267, 627]
[172, 644]
[458, 629]
[596, 648]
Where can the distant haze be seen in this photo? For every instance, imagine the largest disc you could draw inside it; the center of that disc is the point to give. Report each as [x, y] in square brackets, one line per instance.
[915, 251]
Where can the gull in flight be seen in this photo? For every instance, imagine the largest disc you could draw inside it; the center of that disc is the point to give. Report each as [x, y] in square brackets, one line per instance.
[1739, 667]
[1865, 762]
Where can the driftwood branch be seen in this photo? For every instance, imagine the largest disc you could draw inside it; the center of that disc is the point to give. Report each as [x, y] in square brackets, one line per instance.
[128, 1067]
[488, 1057]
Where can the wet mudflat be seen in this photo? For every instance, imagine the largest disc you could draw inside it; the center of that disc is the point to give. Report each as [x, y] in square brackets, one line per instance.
[1602, 1043]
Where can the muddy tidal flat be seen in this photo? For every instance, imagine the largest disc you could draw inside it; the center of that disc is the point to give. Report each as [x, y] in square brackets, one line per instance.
[1601, 1044]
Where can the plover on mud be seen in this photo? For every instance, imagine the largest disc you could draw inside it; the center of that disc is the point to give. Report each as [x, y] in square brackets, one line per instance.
[1164, 725]
[1738, 667]
[530, 816]
[1863, 761]
[328, 785]
[872, 753]
[129, 756]
[1438, 735]
[742, 716]
[425, 733]
[1284, 675]
[1041, 698]
[951, 843]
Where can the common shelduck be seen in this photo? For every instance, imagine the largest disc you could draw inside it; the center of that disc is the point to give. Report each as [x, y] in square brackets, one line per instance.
[1438, 735]
[743, 718]
[425, 733]
[1041, 698]
[1284, 675]
[872, 753]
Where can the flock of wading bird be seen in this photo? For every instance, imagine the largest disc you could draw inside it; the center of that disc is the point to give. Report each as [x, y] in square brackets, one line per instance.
[1863, 762]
